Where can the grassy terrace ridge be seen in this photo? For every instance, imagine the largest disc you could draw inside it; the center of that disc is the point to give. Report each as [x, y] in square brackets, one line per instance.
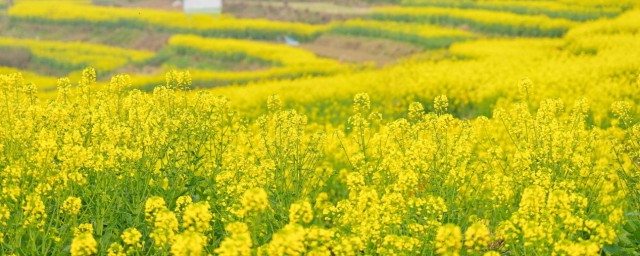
[105, 58]
[484, 21]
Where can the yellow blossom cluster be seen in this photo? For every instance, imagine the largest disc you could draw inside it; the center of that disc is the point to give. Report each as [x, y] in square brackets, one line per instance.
[83, 243]
[449, 240]
[238, 243]
[71, 206]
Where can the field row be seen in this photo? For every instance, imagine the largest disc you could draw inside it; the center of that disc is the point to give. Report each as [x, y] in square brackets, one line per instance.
[490, 22]
[285, 61]
[577, 11]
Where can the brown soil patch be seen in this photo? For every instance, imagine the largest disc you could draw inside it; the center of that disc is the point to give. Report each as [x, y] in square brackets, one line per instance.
[361, 49]
[313, 12]
[166, 5]
[17, 58]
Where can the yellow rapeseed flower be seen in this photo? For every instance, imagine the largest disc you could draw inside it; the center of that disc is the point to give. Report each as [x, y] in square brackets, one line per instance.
[116, 249]
[449, 240]
[152, 206]
[4, 214]
[300, 213]
[476, 237]
[440, 104]
[288, 241]
[131, 237]
[71, 206]
[165, 226]
[188, 244]
[197, 217]
[238, 243]
[181, 203]
[254, 200]
[525, 87]
[361, 103]
[416, 111]
[85, 228]
[34, 211]
[84, 244]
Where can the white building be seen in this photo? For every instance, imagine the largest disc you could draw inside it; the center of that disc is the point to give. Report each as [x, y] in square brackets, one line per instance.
[202, 6]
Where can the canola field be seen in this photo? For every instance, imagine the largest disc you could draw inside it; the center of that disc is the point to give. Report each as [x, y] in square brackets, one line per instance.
[515, 131]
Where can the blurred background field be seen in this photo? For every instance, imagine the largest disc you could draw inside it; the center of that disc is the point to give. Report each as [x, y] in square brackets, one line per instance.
[269, 43]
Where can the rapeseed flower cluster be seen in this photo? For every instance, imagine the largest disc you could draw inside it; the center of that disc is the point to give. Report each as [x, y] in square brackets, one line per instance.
[132, 237]
[197, 217]
[71, 206]
[449, 240]
[477, 237]
[238, 243]
[188, 244]
[34, 211]
[83, 243]
[301, 213]
[254, 201]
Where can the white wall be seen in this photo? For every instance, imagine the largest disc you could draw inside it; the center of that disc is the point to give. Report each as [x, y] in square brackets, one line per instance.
[202, 6]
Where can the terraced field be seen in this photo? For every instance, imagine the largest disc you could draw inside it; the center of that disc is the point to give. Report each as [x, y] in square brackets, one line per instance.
[400, 127]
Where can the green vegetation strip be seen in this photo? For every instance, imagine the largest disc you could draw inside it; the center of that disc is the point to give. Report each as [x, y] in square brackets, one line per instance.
[423, 35]
[489, 22]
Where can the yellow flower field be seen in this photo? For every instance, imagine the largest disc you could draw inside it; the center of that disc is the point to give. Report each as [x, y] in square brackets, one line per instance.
[490, 22]
[523, 139]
